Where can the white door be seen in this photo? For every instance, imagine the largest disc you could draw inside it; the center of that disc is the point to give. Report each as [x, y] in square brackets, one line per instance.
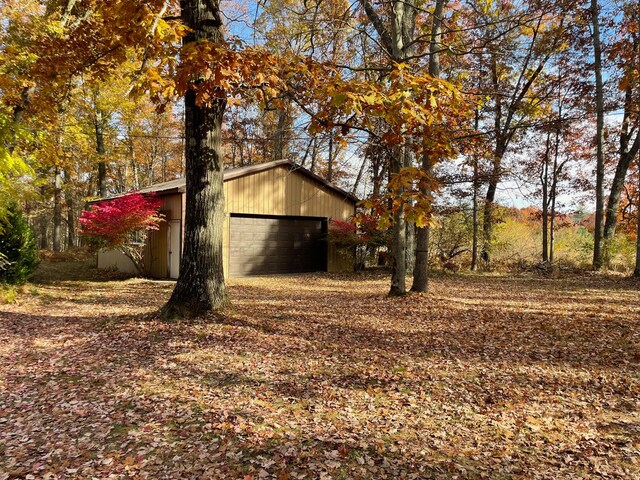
[174, 248]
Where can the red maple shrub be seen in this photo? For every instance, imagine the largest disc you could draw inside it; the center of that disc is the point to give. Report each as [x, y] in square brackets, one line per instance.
[360, 235]
[122, 223]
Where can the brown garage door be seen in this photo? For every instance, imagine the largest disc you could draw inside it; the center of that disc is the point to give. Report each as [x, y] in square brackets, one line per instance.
[265, 246]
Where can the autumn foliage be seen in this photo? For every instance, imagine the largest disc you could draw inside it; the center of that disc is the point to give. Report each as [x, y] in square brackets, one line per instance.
[116, 223]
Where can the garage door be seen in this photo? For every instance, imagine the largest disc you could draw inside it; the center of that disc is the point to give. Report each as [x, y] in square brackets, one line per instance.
[265, 246]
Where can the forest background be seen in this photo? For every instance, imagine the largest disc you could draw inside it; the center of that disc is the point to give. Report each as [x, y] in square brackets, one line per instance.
[509, 129]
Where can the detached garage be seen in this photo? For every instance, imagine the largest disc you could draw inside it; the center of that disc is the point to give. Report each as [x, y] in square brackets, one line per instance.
[276, 222]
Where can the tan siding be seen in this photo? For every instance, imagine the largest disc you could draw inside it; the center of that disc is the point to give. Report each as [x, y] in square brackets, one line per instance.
[172, 206]
[279, 191]
[155, 252]
[225, 245]
[116, 260]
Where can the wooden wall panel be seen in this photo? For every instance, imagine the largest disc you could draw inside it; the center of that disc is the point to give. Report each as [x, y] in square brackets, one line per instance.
[155, 252]
[279, 191]
[172, 206]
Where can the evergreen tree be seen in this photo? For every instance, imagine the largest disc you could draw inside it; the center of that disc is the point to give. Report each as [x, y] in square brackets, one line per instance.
[18, 250]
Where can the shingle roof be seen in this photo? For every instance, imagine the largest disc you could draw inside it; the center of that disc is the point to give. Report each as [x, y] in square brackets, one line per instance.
[179, 185]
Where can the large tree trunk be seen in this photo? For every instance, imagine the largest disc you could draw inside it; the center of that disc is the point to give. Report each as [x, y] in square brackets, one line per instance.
[398, 236]
[200, 287]
[597, 55]
[421, 268]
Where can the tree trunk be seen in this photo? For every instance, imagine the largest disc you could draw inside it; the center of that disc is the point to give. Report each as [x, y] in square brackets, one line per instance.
[557, 169]
[398, 236]
[421, 268]
[57, 211]
[628, 146]
[71, 221]
[330, 160]
[544, 177]
[552, 228]
[314, 154]
[597, 54]
[360, 175]
[476, 189]
[474, 239]
[613, 204]
[279, 141]
[43, 226]
[410, 260]
[636, 272]
[134, 167]
[487, 225]
[200, 287]
[70, 200]
[99, 124]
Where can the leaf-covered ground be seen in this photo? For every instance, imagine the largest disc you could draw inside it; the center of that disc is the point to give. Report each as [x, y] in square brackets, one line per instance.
[321, 377]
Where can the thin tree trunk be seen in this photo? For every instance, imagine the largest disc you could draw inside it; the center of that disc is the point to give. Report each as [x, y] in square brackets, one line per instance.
[201, 287]
[314, 153]
[99, 124]
[134, 166]
[44, 226]
[360, 175]
[410, 260]
[628, 149]
[71, 220]
[544, 177]
[330, 160]
[279, 143]
[597, 54]
[487, 225]
[476, 189]
[474, 240]
[69, 196]
[636, 272]
[57, 211]
[554, 186]
[613, 204]
[552, 228]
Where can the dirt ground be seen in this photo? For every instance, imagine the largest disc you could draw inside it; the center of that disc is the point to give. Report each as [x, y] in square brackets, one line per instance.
[322, 377]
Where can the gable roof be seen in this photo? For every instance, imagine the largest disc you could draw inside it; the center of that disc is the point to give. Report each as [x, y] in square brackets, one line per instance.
[179, 185]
